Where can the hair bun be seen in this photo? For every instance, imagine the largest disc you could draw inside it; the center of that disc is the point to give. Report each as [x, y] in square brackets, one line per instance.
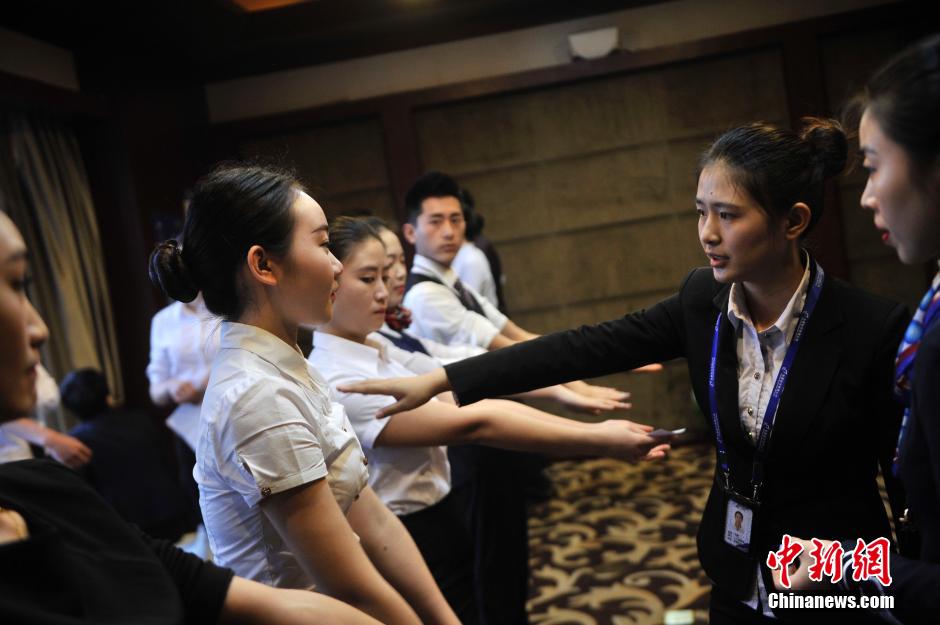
[828, 142]
[168, 271]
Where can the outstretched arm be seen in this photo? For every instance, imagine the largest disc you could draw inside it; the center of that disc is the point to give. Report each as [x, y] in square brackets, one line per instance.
[508, 425]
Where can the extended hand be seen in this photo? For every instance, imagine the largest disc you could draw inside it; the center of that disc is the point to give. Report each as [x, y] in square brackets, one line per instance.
[629, 441]
[590, 405]
[597, 392]
[410, 392]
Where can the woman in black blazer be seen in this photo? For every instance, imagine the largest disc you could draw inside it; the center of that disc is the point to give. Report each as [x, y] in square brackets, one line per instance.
[899, 134]
[760, 191]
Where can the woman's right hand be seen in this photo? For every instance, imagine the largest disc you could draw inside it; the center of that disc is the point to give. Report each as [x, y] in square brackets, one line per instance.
[626, 440]
[410, 392]
[67, 449]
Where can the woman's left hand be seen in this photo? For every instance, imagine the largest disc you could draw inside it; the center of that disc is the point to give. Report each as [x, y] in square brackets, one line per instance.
[590, 405]
[597, 392]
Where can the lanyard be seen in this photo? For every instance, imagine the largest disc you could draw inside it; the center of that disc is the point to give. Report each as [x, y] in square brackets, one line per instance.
[780, 382]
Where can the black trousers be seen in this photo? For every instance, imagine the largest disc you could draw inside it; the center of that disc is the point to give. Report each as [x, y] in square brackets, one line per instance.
[490, 484]
[724, 609]
[444, 541]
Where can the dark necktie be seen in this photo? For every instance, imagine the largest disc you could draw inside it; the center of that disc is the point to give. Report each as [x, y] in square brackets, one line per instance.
[405, 342]
[469, 302]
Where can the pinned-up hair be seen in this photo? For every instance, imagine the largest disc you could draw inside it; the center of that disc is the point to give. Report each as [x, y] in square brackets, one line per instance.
[780, 167]
[233, 208]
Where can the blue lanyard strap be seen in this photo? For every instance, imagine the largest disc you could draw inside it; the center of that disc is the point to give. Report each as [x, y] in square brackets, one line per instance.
[780, 382]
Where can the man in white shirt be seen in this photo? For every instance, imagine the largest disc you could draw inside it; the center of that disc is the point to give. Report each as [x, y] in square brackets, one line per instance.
[443, 308]
[477, 262]
[489, 481]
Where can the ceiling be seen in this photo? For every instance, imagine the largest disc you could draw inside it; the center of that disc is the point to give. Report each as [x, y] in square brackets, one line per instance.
[198, 41]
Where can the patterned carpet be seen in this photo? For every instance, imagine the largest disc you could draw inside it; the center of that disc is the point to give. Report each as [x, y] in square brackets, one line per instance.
[615, 545]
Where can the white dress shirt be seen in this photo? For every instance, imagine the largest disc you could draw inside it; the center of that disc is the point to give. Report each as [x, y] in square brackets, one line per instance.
[437, 314]
[268, 425]
[473, 268]
[183, 342]
[760, 356]
[438, 353]
[406, 479]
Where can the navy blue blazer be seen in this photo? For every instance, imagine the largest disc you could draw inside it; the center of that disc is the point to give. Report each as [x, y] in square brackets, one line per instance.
[836, 422]
[916, 582]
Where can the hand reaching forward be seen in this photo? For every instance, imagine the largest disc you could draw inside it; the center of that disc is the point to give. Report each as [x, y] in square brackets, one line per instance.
[629, 441]
[410, 392]
[589, 405]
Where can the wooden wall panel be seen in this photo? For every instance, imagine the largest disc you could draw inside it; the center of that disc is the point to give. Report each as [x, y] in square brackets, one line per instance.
[602, 165]
[848, 60]
[342, 164]
[588, 189]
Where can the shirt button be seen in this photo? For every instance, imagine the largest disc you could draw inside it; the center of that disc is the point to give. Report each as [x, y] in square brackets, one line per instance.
[265, 491]
[365, 460]
[757, 375]
[750, 412]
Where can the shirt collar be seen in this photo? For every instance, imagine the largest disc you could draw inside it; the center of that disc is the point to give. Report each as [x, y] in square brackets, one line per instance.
[268, 347]
[739, 314]
[433, 268]
[385, 329]
[345, 350]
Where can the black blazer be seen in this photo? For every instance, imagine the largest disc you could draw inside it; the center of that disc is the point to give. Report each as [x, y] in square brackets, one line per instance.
[916, 582]
[836, 420]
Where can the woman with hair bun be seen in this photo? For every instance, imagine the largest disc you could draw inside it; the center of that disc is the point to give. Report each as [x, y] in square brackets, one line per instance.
[762, 327]
[68, 557]
[281, 475]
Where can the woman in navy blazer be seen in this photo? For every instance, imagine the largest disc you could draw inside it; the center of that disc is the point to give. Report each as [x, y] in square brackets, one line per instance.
[899, 135]
[760, 191]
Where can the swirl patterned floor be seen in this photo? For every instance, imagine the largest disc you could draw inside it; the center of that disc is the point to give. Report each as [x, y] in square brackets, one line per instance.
[615, 545]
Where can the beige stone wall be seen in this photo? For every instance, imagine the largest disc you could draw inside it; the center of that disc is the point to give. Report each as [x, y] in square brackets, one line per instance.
[588, 191]
[342, 165]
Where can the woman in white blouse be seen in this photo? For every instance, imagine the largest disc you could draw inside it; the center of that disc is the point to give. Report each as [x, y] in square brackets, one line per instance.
[282, 477]
[409, 468]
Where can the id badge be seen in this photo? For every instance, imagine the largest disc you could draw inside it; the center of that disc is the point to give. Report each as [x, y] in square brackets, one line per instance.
[739, 521]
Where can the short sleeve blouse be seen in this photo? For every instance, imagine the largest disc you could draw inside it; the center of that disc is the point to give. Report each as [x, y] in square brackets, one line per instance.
[268, 425]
